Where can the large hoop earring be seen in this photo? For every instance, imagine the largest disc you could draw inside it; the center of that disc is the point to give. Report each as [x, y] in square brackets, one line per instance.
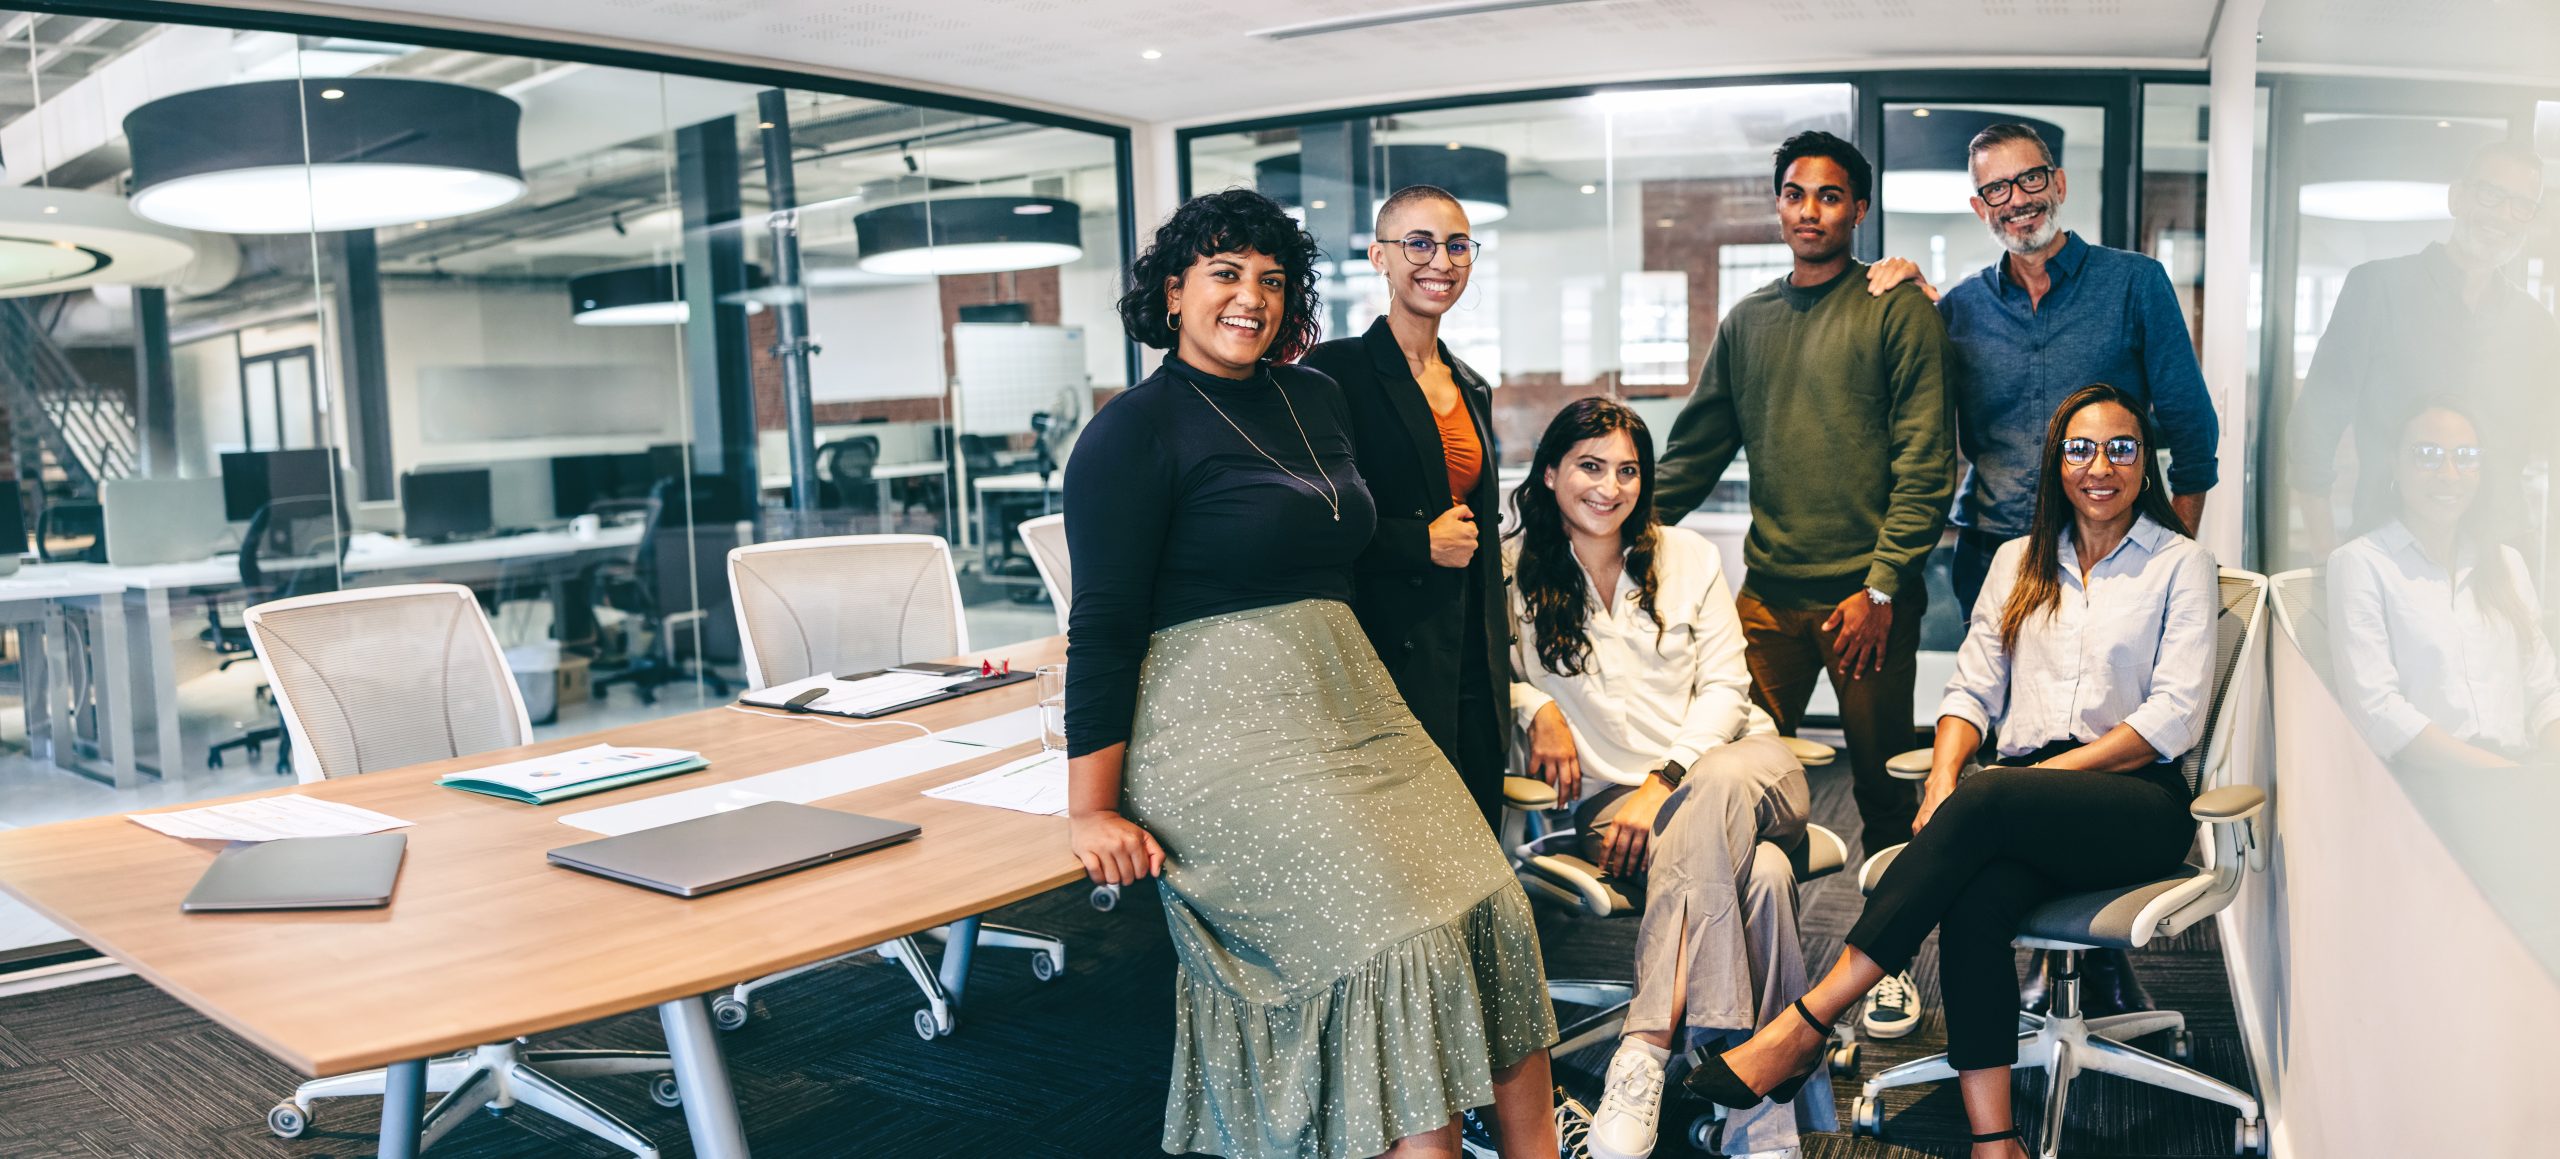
[1173, 321]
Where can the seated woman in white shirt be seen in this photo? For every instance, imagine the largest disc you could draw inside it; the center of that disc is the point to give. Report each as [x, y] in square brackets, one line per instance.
[2090, 654]
[1639, 705]
[2435, 635]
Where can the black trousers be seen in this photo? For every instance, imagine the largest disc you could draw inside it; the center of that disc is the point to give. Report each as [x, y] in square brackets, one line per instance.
[2007, 840]
[1478, 751]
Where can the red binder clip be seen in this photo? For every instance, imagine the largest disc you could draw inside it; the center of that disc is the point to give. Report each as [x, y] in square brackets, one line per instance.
[986, 668]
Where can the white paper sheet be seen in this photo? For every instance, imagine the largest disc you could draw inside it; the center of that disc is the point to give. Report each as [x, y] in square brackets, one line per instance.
[1034, 784]
[801, 784]
[267, 819]
[870, 694]
[1021, 726]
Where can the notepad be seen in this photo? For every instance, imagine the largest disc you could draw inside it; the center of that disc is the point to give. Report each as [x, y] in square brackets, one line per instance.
[574, 773]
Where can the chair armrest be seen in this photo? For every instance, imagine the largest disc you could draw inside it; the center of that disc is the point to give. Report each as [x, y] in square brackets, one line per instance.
[1877, 862]
[1581, 879]
[2228, 804]
[1812, 754]
[1911, 765]
[1528, 793]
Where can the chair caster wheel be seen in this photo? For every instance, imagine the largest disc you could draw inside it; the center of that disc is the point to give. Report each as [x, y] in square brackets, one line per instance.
[1105, 897]
[664, 1092]
[2249, 1137]
[1844, 1058]
[1706, 1135]
[728, 1013]
[2182, 1047]
[926, 1027]
[287, 1120]
[1866, 1117]
[1044, 966]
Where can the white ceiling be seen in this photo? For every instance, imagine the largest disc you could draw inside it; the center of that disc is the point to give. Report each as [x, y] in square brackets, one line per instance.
[1086, 54]
[2480, 39]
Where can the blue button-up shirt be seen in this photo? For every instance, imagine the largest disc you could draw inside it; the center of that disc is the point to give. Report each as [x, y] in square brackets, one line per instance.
[2109, 317]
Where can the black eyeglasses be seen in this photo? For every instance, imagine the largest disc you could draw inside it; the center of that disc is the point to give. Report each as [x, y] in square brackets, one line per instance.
[2122, 451]
[2514, 207]
[2032, 181]
[1418, 250]
[2432, 457]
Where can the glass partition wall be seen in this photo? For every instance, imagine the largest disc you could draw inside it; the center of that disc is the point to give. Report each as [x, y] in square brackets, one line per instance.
[549, 348]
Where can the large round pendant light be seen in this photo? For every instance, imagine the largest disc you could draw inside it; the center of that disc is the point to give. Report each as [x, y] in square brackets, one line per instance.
[2384, 168]
[641, 296]
[55, 240]
[1926, 166]
[381, 151]
[1479, 178]
[971, 234]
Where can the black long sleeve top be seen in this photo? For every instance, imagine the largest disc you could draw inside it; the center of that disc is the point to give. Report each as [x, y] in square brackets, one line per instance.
[1174, 514]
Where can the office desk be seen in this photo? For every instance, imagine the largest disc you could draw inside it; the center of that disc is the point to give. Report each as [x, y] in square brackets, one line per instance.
[883, 475]
[484, 941]
[34, 597]
[126, 703]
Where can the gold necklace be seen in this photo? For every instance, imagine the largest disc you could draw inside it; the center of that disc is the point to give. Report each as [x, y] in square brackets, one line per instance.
[1332, 497]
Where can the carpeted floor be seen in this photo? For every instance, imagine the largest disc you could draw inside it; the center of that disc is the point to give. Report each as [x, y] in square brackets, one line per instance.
[1074, 1067]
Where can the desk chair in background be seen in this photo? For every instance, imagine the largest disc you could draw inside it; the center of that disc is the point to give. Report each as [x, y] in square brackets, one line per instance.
[674, 586]
[846, 604]
[2062, 1042]
[347, 669]
[293, 547]
[844, 475]
[71, 531]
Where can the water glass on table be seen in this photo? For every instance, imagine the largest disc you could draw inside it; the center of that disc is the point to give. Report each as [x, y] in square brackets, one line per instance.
[1053, 707]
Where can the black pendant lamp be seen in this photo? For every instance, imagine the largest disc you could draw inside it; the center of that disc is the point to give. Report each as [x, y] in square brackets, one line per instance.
[969, 234]
[380, 151]
[651, 295]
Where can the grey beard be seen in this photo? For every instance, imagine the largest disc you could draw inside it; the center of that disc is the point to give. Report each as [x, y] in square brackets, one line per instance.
[2041, 238]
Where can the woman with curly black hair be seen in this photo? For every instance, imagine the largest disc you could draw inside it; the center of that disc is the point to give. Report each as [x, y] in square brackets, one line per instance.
[1356, 964]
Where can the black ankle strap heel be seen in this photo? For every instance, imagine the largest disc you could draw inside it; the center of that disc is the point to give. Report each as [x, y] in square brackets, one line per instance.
[2016, 1133]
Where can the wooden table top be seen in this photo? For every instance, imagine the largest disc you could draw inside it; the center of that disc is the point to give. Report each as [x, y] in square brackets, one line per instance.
[484, 940]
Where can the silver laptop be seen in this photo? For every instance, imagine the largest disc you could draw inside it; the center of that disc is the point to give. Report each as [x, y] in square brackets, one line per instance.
[162, 520]
[708, 854]
[301, 873]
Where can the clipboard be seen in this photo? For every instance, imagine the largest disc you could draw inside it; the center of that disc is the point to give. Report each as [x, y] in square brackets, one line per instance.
[981, 684]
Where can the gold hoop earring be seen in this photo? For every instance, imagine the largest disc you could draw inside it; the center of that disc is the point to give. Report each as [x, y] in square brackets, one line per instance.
[1173, 321]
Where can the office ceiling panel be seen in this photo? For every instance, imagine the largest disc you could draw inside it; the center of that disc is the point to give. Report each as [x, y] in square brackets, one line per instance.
[2460, 38]
[1219, 62]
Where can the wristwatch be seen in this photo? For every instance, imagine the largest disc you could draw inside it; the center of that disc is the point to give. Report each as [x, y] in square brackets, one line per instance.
[1672, 773]
[1879, 599]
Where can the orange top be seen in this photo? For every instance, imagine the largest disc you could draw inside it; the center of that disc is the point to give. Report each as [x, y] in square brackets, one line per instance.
[1458, 446]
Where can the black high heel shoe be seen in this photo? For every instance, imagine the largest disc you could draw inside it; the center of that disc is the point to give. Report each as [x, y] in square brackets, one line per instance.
[1713, 1078]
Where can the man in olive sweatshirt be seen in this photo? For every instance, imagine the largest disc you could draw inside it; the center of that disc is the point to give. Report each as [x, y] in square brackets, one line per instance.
[1842, 402]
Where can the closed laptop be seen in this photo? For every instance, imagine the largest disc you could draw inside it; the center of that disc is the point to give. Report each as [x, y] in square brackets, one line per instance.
[301, 873]
[708, 854]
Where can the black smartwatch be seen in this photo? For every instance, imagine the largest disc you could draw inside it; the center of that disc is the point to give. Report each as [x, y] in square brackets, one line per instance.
[1672, 773]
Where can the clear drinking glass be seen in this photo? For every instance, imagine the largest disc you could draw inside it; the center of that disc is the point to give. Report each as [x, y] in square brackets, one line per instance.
[1053, 707]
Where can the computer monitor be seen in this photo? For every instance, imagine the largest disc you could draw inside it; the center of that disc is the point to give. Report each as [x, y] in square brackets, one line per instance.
[13, 527]
[578, 481]
[253, 479]
[440, 505]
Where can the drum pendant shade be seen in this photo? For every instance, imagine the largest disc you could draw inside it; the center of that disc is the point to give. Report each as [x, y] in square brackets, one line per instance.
[973, 234]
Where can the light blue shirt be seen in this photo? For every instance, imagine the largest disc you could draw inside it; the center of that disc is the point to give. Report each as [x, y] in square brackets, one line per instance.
[2132, 646]
[2414, 645]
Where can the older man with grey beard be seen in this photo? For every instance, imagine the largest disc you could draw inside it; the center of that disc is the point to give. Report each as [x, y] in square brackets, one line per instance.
[2055, 314]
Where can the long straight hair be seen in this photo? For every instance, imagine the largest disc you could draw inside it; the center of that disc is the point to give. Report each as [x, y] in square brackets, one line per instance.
[2494, 584]
[2039, 587]
[1551, 582]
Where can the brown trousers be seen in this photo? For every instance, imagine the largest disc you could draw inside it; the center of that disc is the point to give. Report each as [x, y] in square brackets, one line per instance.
[1786, 649]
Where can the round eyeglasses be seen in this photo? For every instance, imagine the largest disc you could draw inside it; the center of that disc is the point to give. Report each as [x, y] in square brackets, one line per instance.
[2434, 456]
[1419, 250]
[2032, 181]
[2122, 451]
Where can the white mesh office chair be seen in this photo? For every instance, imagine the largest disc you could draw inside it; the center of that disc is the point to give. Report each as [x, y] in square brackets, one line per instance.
[2061, 1041]
[1046, 536]
[852, 603]
[1551, 870]
[379, 678]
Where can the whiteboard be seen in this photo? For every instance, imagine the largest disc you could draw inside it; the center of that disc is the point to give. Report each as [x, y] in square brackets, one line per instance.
[1006, 371]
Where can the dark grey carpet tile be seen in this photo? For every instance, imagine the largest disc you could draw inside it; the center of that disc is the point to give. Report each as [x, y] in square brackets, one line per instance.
[15, 1053]
[46, 1112]
[55, 1028]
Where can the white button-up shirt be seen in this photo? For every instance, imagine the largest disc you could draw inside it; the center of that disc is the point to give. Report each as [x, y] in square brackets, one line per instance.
[2413, 645]
[2133, 645]
[1645, 696]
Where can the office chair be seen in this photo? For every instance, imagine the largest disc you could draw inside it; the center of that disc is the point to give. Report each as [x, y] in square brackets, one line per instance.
[294, 547]
[348, 669]
[2063, 1042]
[71, 531]
[1549, 863]
[844, 475]
[656, 588]
[851, 603]
[1046, 536]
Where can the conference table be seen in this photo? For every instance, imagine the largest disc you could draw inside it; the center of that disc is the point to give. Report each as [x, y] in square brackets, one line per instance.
[484, 941]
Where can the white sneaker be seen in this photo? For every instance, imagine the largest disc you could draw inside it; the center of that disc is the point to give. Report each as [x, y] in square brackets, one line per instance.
[1893, 1008]
[1631, 1108]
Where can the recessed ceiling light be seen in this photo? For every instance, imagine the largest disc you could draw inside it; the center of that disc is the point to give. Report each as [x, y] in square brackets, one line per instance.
[764, 124]
[1919, 112]
[1150, 54]
[1454, 146]
[53, 209]
[332, 94]
[1316, 204]
[418, 225]
[2444, 124]
[1591, 189]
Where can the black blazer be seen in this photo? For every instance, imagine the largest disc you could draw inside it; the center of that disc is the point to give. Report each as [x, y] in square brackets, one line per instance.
[1413, 610]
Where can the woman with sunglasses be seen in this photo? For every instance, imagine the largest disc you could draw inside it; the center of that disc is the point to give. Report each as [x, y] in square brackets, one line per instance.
[2090, 654]
[2436, 638]
[1429, 587]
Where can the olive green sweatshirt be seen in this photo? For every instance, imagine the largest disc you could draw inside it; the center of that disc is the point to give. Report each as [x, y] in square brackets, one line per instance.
[1841, 397]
